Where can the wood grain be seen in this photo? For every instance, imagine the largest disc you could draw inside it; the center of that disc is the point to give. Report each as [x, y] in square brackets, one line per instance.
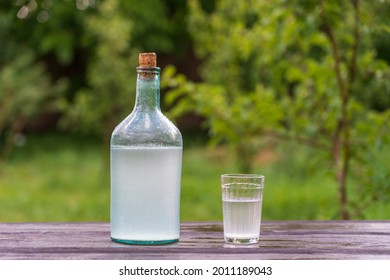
[279, 240]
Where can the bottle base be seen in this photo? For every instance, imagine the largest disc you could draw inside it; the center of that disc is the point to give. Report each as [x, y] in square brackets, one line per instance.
[144, 242]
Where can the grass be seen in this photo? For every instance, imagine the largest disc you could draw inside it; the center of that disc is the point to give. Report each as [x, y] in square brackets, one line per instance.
[62, 178]
[53, 178]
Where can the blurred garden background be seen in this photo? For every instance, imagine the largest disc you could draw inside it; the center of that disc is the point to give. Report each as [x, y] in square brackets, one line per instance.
[296, 90]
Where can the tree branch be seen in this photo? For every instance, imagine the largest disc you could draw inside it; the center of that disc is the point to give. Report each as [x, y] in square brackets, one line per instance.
[341, 137]
[355, 46]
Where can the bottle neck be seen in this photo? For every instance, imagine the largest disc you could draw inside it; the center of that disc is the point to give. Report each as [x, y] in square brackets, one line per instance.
[148, 89]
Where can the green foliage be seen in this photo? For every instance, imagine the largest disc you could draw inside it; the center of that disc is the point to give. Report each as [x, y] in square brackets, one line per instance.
[48, 27]
[370, 164]
[118, 30]
[94, 44]
[158, 25]
[111, 87]
[25, 91]
[235, 119]
[306, 71]
[238, 105]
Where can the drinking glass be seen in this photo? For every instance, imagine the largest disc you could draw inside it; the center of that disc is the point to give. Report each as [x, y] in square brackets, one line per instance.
[242, 196]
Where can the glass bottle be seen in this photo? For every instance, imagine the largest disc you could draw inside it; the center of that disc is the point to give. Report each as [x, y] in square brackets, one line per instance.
[146, 158]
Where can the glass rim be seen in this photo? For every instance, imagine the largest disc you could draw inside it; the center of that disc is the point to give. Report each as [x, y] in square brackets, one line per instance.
[243, 176]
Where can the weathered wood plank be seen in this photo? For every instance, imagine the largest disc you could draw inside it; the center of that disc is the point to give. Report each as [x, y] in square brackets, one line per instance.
[279, 240]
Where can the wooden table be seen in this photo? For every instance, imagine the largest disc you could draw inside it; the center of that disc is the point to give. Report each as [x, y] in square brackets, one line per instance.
[279, 240]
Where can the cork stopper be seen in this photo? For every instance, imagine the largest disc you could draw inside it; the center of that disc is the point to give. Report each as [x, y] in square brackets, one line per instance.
[147, 60]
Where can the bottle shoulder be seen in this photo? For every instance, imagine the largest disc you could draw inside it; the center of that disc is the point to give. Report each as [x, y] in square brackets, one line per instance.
[146, 129]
